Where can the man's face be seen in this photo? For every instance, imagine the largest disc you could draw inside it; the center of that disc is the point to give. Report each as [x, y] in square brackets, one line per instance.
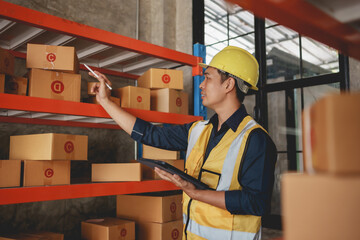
[212, 90]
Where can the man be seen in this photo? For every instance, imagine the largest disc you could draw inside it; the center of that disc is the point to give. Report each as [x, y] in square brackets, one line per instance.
[230, 152]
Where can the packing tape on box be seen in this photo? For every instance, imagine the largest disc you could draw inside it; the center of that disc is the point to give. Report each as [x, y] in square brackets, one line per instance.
[50, 57]
[69, 147]
[48, 170]
[57, 86]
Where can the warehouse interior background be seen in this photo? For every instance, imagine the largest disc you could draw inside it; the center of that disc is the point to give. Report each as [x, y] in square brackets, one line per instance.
[291, 60]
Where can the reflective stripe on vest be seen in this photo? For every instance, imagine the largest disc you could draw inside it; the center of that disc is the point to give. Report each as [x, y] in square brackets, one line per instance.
[217, 234]
[230, 160]
[194, 135]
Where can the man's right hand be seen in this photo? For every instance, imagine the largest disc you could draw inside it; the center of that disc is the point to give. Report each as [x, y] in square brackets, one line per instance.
[100, 89]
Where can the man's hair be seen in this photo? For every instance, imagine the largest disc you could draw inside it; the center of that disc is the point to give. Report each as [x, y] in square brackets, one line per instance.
[239, 94]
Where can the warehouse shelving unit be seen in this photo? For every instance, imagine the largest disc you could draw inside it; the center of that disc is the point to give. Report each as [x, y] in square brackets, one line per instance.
[106, 52]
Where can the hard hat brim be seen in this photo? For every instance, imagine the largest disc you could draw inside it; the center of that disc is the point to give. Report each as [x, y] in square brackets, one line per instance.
[203, 65]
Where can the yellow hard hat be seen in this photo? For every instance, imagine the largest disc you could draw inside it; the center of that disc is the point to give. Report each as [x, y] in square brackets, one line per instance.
[239, 63]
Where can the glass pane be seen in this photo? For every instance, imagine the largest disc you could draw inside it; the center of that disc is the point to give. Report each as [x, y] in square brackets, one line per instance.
[314, 93]
[241, 22]
[249, 103]
[280, 168]
[277, 119]
[269, 23]
[317, 58]
[246, 42]
[215, 22]
[283, 52]
[214, 49]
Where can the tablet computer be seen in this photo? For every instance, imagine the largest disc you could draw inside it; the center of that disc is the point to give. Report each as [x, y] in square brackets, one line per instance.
[173, 170]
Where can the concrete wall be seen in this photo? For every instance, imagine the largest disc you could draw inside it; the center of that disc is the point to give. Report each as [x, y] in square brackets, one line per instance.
[166, 23]
[354, 69]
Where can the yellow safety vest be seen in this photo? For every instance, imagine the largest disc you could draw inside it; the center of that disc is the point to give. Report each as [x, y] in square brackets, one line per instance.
[220, 172]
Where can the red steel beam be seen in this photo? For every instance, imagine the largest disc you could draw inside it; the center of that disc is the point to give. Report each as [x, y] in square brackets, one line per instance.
[308, 20]
[48, 193]
[45, 21]
[36, 104]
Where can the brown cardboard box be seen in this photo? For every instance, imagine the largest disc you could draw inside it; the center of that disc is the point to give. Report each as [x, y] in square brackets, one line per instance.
[41, 173]
[108, 229]
[331, 132]
[149, 208]
[160, 231]
[161, 78]
[7, 62]
[133, 97]
[170, 101]
[2, 83]
[10, 173]
[90, 85]
[54, 85]
[113, 99]
[111, 172]
[16, 85]
[320, 206]
[35, 236]
[49, 146]
[149, 173]
[61, 58]
[157, 153]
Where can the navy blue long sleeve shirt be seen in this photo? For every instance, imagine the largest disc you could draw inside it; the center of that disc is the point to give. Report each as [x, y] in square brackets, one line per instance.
[256, 173]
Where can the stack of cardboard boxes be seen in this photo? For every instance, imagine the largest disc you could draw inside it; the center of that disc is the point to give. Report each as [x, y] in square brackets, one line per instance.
[8, 82]
[46, 158]
[156, 217]
[322, 203]
[53, 72]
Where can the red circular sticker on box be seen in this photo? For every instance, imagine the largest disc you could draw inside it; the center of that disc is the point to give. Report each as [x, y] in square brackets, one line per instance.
[175, 234]
[139, 99]
[51, 57]
[173, 207]
[178, 102]
[69, 147]
[166, 78]
[123, 232]
[49, 173]
[57, 87]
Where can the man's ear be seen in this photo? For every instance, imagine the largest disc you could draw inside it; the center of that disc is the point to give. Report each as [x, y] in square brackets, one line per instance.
[230, 84]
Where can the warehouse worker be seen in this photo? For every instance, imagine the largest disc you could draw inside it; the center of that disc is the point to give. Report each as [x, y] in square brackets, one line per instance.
[230, 152]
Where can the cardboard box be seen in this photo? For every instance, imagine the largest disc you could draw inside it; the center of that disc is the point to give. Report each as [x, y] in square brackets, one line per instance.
[61, 58]
[7, 62]
[149, 208]
[170, 101]
[2, 83]
[108, 229]
[35, 236]
[159, 154]
[161, 78]
[49, 146]
[111, 172]
[331, 132]
[15, 85]
[54, 85]
[133, 97]
[90, 85]
[320, 206]
[10, 173]
[42, 173]
[149, 173]
[113, 99]
[160, 231]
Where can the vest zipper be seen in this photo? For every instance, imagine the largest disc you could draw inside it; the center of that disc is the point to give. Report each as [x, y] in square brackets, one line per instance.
[188, 218]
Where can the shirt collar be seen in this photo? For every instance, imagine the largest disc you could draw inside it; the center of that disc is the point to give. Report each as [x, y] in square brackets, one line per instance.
[233, 121]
